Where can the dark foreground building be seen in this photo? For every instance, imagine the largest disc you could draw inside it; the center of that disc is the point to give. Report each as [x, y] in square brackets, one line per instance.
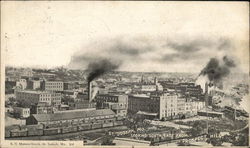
[71, 118]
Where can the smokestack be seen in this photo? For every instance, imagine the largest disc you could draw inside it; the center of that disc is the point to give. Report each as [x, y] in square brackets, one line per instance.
[89, 91]
[206, 94]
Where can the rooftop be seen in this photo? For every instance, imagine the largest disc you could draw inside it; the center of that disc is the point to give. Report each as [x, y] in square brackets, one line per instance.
[34, 92]
[72, 115]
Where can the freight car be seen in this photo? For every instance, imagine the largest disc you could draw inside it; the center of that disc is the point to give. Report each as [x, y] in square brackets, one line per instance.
[118, 123]
[53, 125]
[65, 124]
[35, 132]
[9, 128]
[7, 133]
[84, 127]
[51, 131]
[69, 129]
[108, 124]
[96, 125]
[119, 118]
[18, 133]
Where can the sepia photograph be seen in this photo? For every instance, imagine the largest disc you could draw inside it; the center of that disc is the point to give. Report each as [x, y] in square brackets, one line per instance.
[119, 73]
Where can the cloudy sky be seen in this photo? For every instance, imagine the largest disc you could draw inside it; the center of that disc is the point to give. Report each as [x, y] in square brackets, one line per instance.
[141, 36]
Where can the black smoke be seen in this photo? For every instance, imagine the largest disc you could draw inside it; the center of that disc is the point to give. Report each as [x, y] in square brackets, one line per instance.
[100, 67]
[216, 70]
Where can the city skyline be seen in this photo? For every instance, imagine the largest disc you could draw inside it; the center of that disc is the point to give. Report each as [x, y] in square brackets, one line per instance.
[151, 40]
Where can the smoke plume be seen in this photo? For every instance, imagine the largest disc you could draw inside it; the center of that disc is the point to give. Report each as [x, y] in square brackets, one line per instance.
[216, 70]
[100, 67]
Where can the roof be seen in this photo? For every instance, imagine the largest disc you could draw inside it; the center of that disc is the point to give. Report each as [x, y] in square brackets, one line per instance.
[72, 115]
[210, 112]
[34, 92]
[146, 113]
[140, 96]
[108, 95]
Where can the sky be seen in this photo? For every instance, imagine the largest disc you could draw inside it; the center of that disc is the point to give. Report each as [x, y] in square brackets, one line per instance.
[140, 36]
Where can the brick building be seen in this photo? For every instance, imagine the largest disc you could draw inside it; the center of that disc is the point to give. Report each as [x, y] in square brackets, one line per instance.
[34, 97]
[52, 85]
[117, 103]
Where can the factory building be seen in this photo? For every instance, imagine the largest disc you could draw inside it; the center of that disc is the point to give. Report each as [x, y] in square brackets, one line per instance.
[117, 103]
[166, 105]
[34, 97]
[52, 85]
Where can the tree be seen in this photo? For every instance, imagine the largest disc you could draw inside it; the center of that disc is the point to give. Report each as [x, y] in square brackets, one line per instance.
[241, 140]
[23, 103]
[212, 131]
[197, 128]
[216, 141]
[108, 140]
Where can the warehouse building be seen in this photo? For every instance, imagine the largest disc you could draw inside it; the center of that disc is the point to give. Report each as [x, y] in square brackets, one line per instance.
[74, 117]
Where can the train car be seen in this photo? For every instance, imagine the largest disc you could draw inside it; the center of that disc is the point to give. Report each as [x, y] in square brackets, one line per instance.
[66, 124]
[118, 123]
[51, 131]
[9, 128]
[18, 133]
[119, 118]
[7, 133]
[99, 121]
[35, 132]
[84, 127]
[53, 125]
[108, 124]
[96, 125]
[69, 129]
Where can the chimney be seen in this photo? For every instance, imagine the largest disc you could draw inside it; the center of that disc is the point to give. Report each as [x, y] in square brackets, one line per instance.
[206, 94]
[89, 91]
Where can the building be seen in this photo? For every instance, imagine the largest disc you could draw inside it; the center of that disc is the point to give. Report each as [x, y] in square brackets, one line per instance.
[22, 83]
[211, 114]
[143, 103]
[166, 105]
[34, 97]
[52, 85]
[20, 112]
[34, 84]
[42, 108]
[188, 107]
[117, 103]
[70, 85]
[181, 104]
[74, 117]
[84, 104]
[9, 87]
[148, 87]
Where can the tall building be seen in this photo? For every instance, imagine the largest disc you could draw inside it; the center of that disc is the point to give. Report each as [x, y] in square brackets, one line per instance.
[52, 85]
[166, 105]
